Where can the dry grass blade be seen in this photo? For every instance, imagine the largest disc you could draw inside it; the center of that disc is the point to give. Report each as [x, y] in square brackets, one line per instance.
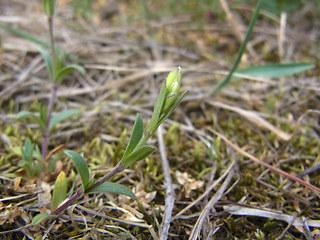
[272, 168]
[268, 213]
[209, 206]
[209, 189]
[111, 218]
[252, 117]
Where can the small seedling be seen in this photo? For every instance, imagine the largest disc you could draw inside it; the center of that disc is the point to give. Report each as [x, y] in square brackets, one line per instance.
[136, 150]
[28, 152]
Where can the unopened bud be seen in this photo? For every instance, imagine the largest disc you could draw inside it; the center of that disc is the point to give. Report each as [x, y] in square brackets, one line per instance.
[173, 83]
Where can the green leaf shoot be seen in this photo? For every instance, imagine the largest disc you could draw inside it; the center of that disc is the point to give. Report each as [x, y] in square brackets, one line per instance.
[136, 135]
[157, 109]
[61, 73]
[48, 62]
[27, 151]
[59, 191]
[59, 117]
[24, 114]
[114, 188]
[137, 155]
[80, 165]
[41, 217]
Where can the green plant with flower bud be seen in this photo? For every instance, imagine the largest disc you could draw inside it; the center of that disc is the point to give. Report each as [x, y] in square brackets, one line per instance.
[137, 149]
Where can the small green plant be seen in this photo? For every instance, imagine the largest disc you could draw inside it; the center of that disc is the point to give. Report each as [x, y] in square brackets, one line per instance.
[137, 149]
[57, 71]
[29, 153]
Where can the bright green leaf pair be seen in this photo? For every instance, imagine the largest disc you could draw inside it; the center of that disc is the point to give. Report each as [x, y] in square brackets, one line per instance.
[41, 120]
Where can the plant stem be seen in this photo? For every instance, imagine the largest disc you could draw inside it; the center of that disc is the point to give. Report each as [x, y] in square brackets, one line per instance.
[79, 194]
[46, 132]
[118, 168]
[52, 43]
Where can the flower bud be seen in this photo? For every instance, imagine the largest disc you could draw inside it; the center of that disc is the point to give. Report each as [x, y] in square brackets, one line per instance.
[173, 83]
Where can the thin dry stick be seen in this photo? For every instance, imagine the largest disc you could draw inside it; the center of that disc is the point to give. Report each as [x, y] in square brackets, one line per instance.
[282, 36]
[219, 194]
[206, 192]
[169, 201]
[272, 168]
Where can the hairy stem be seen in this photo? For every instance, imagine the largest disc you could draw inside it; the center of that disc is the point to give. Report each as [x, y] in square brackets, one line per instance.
[79, 194]
[118, 168]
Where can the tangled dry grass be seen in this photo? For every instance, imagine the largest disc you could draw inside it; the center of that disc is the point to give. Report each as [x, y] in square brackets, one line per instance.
[207, 149]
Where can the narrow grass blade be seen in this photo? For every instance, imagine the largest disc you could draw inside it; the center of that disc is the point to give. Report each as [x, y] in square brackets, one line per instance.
[59, 191]
[62, 116]
[276, 69]
[80, 165]
[242, 48]
[114, 188]
[38, 41]
[135, 136]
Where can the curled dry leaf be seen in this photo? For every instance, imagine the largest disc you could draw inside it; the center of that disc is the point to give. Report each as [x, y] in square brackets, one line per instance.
[143, 196]
[188, 183]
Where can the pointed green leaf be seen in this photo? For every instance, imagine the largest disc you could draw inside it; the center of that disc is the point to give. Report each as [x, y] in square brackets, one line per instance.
[157, 109]
[41, 217]
[27, 150]
[137, 155]
[80, 165]
[173, 107]
[114, 188]
[48, 62]
[59, 191]
[62, 116]
[43, 116]
[48, 7]
[66, 70]
[276, 69]
[135, 136]
[24, 114]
